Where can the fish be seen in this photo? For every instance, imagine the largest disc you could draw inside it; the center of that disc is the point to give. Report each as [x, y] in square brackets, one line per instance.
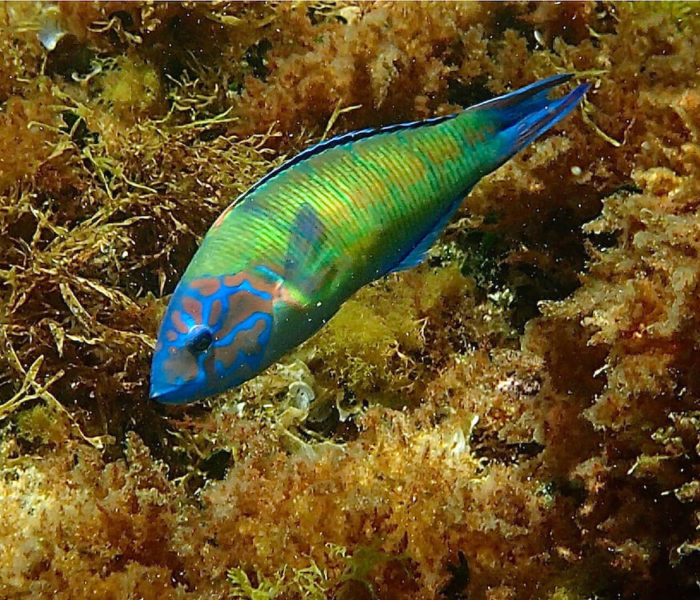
[280, 261]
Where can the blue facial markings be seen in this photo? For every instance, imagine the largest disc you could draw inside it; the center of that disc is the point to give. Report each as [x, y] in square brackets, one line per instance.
[214, 334]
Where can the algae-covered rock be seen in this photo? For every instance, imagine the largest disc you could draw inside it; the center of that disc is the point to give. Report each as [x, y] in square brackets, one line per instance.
[517, 418]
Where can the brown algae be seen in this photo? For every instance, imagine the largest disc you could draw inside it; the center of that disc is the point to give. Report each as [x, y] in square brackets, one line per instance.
[518, 418]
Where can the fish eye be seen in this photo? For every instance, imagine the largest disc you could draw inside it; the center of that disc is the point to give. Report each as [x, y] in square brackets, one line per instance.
[199, 339]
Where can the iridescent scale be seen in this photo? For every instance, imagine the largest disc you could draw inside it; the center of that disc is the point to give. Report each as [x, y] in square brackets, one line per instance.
[280, 261]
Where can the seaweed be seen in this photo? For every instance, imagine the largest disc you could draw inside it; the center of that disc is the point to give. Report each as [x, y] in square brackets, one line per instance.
[522, 408]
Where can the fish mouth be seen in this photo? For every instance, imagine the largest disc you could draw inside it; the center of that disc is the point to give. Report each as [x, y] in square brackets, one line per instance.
[166, 394]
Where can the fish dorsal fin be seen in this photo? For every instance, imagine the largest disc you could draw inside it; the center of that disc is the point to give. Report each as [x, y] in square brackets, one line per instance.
[339, 140]
[418, 253]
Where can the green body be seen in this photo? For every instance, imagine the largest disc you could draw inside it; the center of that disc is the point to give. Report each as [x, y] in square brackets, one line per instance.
[277, 264]
[375, 199]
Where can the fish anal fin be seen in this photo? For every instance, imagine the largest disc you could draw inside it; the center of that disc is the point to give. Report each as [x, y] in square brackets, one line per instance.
[417, 255]
[419, 252]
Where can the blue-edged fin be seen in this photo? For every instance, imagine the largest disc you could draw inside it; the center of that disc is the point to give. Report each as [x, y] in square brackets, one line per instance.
[518, 118]
[341, 140]
[534, 125]
[419, 252]
[521, 116]
[510, 108]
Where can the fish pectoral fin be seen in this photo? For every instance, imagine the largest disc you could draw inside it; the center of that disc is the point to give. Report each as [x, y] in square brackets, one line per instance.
[303, 293]
[309, 267]
[303, 246]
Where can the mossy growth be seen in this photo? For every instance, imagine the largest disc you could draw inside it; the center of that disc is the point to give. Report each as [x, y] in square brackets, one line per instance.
[132, 86]
[522, 408]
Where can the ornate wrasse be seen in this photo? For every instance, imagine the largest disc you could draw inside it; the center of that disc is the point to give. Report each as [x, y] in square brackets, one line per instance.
[281, 260]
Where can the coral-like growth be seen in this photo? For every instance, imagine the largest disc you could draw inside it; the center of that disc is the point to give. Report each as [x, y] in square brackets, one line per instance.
[517, 418]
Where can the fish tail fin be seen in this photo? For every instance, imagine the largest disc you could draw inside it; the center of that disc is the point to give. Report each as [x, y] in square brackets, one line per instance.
[530, 127]
[520, 117]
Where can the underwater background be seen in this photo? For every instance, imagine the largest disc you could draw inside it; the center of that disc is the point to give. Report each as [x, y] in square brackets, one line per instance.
[517, 418]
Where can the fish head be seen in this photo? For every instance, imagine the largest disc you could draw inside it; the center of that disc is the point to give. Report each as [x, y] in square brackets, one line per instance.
[214, 336]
